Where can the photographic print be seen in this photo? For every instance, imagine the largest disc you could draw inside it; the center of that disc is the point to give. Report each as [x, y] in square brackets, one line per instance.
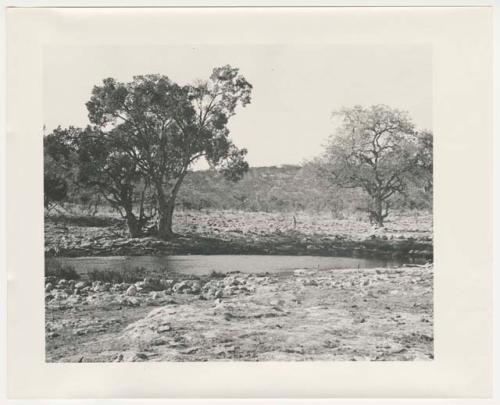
[238, 202]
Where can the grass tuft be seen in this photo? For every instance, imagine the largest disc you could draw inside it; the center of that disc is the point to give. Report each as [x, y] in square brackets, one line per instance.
[115, 277]
[216, 274]
[59, 272]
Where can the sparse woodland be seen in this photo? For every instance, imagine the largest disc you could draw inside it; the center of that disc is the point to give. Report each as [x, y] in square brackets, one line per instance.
[124, 186]
[135, 159]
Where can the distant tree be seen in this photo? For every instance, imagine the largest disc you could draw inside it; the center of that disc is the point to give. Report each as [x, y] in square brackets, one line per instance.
[375, 149]
[55, 190]
[424, 161]
[59, 155]
[168, 127]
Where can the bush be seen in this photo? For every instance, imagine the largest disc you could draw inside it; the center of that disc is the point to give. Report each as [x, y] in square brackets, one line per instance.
[55, 189]
[216, 274]
[59, 272]
[116, 277]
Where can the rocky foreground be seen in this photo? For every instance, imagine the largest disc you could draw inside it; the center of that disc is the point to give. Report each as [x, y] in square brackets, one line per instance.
[370, 314]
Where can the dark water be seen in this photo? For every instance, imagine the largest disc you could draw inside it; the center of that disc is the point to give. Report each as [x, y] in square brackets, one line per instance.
[205, 264]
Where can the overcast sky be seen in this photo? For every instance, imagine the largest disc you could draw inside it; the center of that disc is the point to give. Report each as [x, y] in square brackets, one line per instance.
[295, 88]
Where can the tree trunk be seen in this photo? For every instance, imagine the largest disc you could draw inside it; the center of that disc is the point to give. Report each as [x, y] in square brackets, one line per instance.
[378, 220]
[166, 206]
[134, 227]
[377, 214]
[165, 218]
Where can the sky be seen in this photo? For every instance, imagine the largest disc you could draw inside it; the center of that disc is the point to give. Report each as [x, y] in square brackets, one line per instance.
[295, 87]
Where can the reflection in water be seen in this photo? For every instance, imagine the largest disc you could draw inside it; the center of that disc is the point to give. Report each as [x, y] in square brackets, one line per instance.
[205, 264]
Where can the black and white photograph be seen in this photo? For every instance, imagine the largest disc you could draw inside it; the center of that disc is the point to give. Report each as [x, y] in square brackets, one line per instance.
[238, 203]
[249, 203]
[257, 203]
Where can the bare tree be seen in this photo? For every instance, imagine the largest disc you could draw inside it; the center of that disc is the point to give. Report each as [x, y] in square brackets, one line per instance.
[378, 150]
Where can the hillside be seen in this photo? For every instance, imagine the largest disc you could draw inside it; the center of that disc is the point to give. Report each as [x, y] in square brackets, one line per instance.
[279, 188]
[266, 189]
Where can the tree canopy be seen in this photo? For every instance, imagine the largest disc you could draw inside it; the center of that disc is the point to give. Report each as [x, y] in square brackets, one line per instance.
[151, 130]
[378, 150]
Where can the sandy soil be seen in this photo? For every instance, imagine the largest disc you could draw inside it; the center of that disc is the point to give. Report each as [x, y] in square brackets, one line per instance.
[375, 314]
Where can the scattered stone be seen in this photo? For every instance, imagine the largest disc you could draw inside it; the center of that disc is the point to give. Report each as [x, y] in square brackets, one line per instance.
[101, 287]
[195, 287]
[159, 342]
[181, 287]
[164, 328]
[80, 285]
[131, 291]
[190, 350]
[135, 357]
[130, 301]
[187, 287]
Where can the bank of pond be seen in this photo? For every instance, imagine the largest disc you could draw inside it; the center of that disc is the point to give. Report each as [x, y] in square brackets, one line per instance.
[201, 265]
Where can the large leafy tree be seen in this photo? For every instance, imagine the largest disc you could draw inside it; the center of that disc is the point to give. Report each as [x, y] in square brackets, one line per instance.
[168, 127]
[377, 150]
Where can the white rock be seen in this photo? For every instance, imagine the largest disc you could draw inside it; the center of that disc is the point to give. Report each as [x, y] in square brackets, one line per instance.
[132, 290]
[80, 285]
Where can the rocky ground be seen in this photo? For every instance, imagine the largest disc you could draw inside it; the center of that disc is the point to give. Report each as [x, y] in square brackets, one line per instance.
[375, 314]
[235, 232]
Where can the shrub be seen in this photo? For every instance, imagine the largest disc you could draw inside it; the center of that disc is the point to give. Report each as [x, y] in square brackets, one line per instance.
[216, 274]
[115, 277]
[58, 272]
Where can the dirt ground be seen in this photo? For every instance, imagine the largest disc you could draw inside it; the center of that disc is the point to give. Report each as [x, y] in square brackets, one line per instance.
[371, 314]
[238, 232]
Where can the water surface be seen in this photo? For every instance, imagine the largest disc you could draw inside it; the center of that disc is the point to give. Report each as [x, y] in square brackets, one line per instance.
[205, 264]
